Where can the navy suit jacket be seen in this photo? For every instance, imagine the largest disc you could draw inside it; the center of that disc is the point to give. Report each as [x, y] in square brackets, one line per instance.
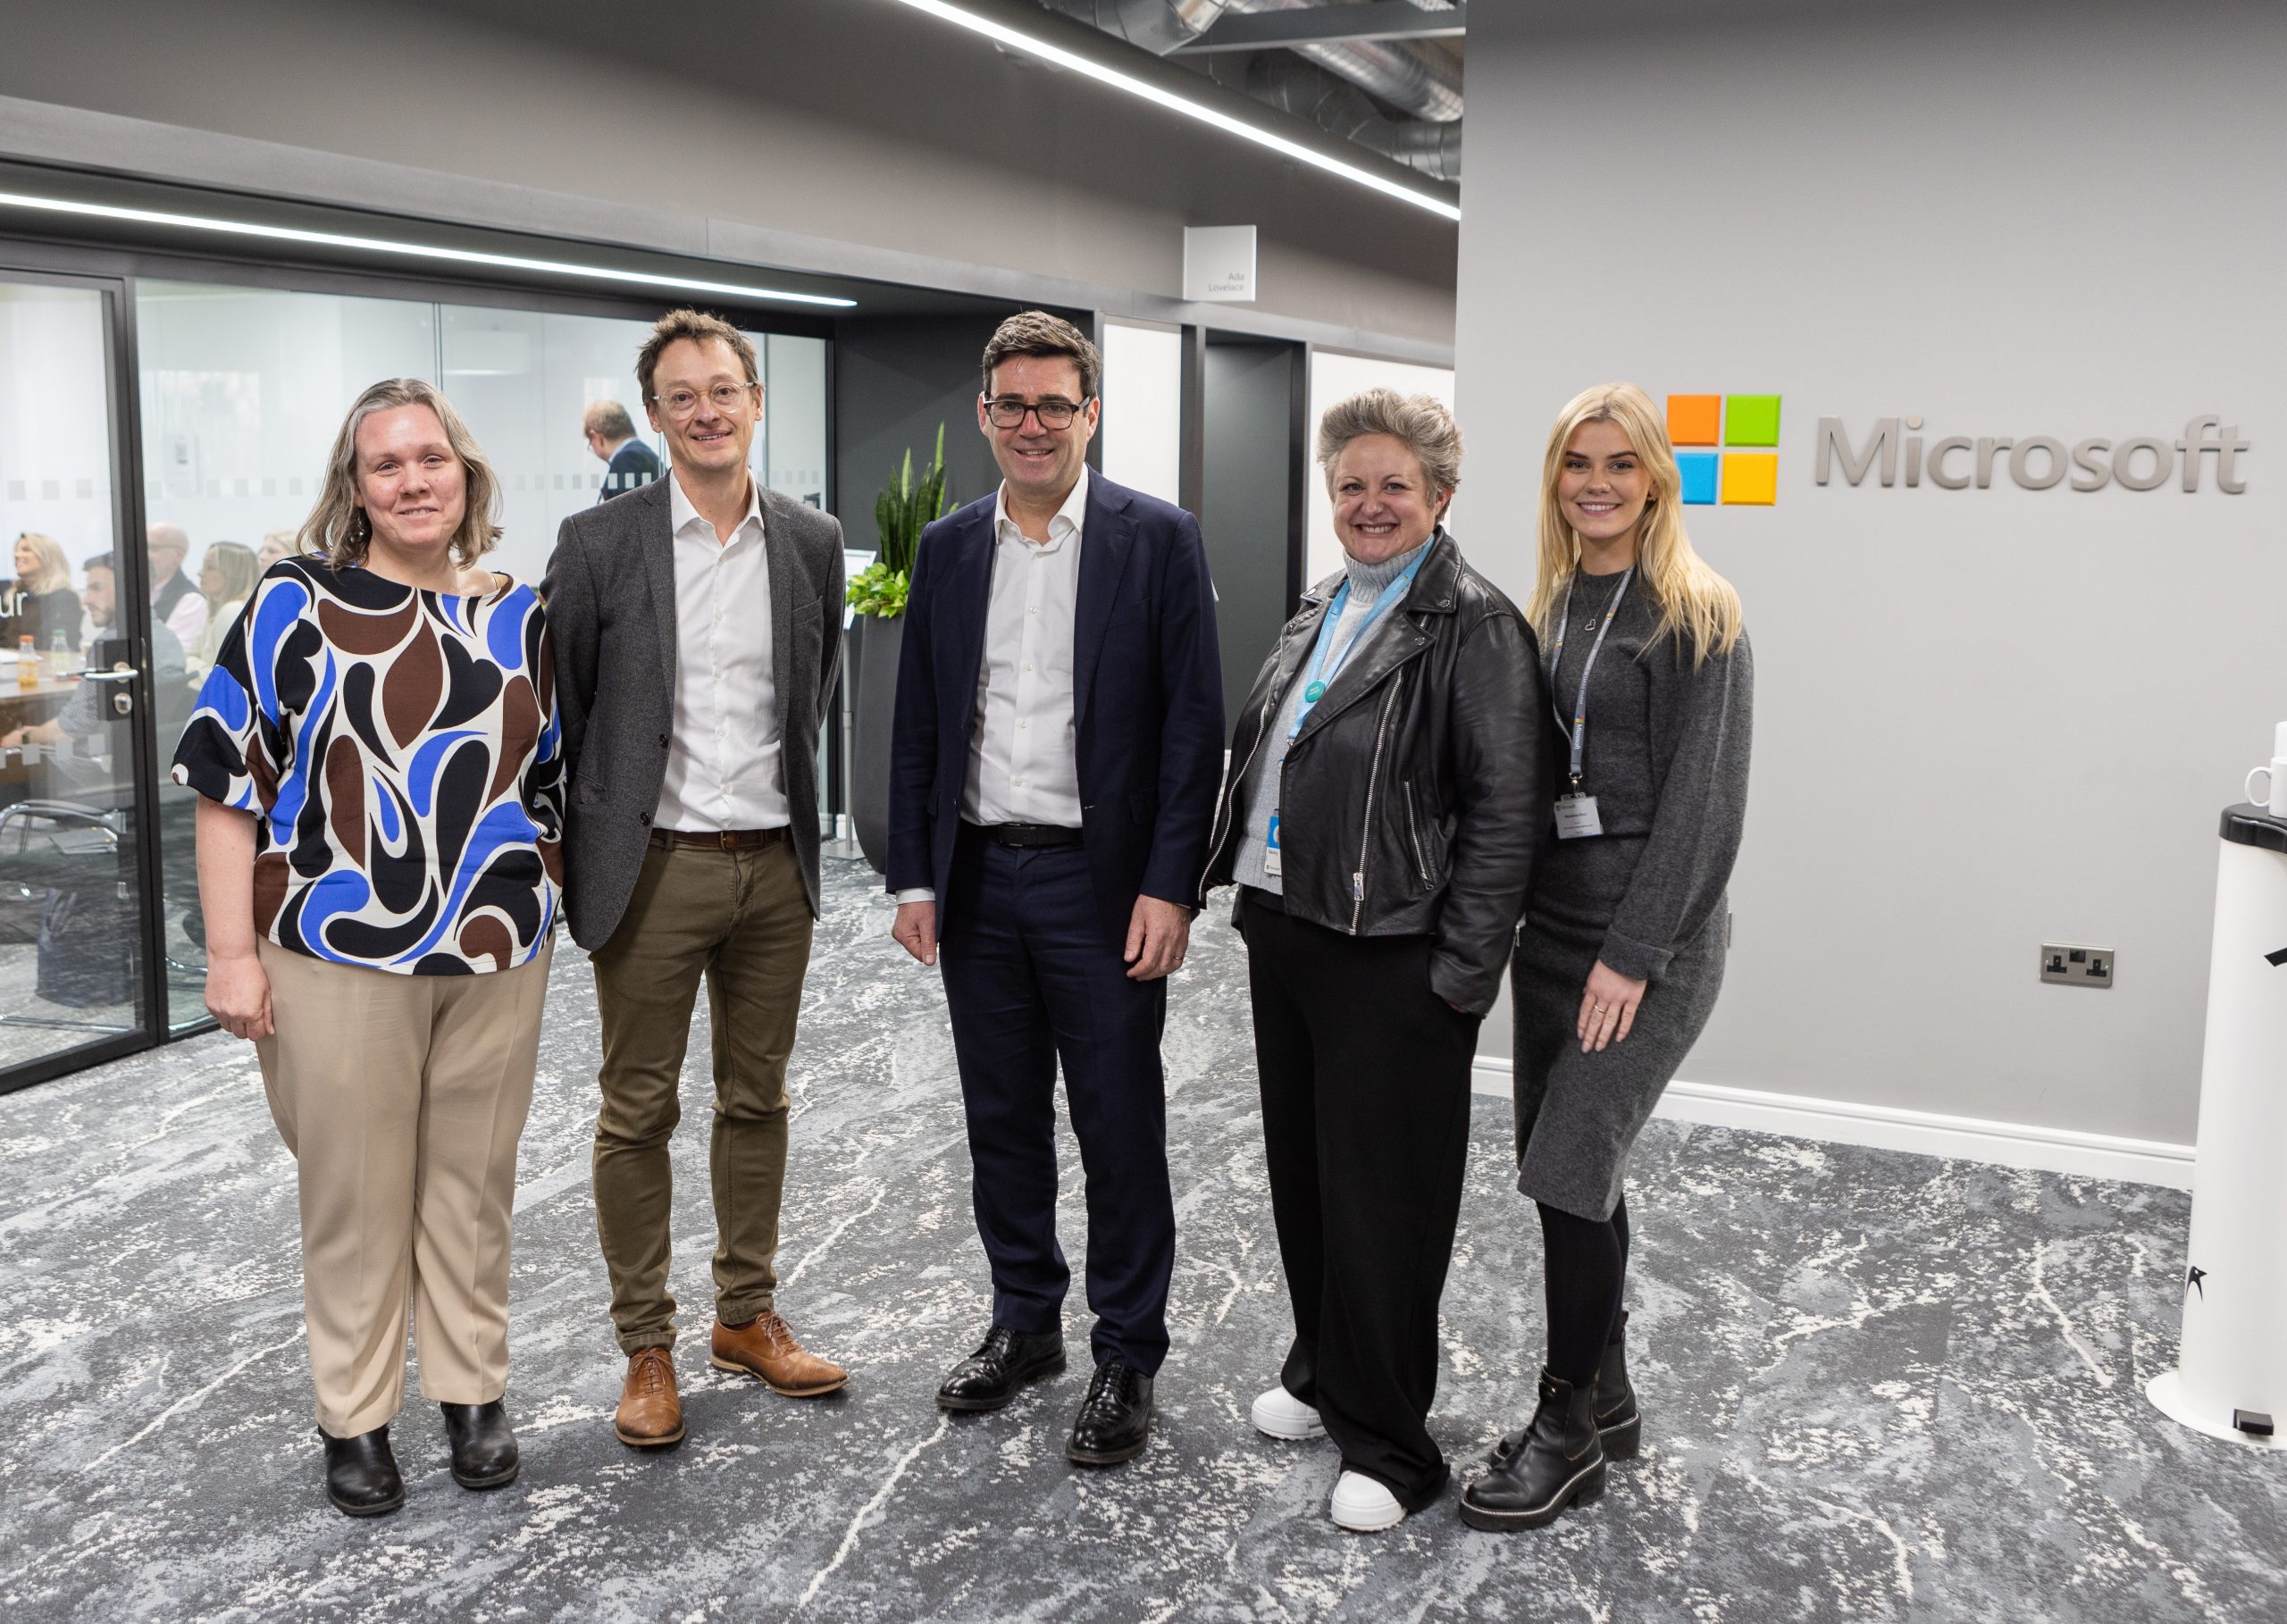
[1147, 699]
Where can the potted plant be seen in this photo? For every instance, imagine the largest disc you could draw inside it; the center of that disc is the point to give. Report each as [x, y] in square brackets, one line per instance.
[877, 598]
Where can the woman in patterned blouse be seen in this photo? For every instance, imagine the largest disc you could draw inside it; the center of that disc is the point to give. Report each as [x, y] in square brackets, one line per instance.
[378, 749]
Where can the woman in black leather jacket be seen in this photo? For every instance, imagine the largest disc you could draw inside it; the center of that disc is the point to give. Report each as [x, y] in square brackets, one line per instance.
[1386, 792]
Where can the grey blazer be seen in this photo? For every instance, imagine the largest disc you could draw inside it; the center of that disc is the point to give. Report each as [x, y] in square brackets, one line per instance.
[611, 614]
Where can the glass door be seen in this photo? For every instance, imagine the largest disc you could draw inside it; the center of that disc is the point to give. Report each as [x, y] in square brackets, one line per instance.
[77, 819]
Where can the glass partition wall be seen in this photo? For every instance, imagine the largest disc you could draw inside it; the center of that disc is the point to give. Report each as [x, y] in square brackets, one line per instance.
[75, 832]
[216, 404]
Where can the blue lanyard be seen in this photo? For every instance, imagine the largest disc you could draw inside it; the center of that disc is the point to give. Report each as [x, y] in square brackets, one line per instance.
[1320, 677]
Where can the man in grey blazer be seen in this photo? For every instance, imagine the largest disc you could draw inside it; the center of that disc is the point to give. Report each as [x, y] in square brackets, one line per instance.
[697, 624]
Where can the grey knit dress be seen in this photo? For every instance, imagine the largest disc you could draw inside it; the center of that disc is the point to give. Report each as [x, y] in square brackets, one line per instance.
[1667, 760]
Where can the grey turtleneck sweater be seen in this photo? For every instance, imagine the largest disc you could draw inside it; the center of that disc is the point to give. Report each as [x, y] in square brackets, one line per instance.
[1261, 795]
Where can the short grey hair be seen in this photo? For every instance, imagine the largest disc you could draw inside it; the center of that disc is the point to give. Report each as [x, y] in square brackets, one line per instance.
[1420, 421]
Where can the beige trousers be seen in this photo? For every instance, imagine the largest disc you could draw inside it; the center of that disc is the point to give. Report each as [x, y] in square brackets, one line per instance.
[402, 1098]
[740, 921]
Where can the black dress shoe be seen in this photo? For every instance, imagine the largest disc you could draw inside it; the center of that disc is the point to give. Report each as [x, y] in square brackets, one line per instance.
[484, 1450]
[1620, 1425]
[1114, 1419]
[989, 1377]
[361, 1475]
[1561, 1464]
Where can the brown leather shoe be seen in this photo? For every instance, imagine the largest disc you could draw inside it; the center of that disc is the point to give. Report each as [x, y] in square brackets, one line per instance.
[765, 1348]
[651, 1411]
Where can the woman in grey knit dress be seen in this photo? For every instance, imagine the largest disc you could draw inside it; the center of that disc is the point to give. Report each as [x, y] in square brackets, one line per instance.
[1621, 954]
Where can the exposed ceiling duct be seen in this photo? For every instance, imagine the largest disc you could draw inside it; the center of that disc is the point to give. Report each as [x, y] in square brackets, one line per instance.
[1341, 109]
[1158, 25]
[1422, 79]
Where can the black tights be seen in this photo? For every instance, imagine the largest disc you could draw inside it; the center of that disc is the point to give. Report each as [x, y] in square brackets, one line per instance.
[1586, 1262]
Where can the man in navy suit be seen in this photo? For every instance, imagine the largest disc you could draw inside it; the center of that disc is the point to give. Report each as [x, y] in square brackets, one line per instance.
[1058, 746]
[628, 461]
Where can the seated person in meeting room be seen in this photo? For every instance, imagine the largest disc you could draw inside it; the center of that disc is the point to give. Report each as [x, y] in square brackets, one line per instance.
[611, 435]
[40, 602]
[278, 544]
[226, 578]
[173, 599]
[83, 714]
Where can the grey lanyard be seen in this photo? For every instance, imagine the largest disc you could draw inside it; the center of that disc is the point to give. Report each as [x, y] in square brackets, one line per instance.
[1579, 732]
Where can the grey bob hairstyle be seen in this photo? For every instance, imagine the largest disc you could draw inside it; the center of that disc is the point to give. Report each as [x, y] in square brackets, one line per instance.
[1419, 421]
[338, 527]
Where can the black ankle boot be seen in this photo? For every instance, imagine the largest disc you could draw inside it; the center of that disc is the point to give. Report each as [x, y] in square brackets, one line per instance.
[1561, 1464]
[361, 1475]
[1620, 1426]
[484, 1450]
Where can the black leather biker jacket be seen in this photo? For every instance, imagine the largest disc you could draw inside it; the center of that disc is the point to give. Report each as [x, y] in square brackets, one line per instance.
[1414, 799]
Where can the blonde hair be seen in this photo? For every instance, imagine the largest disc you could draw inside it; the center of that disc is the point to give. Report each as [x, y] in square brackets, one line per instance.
[338, 527]
[54, 571]
[1696, 605]
[235, 564]
[1420, 421]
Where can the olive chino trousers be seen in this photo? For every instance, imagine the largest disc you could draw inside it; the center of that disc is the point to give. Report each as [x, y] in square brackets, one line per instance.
[740, 921]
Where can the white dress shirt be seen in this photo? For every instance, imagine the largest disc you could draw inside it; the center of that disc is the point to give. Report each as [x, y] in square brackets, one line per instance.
[724, 770]
[1023, 763]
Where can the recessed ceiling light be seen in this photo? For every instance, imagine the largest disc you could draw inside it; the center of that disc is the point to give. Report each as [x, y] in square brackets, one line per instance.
[414, 250]
[1018, 41]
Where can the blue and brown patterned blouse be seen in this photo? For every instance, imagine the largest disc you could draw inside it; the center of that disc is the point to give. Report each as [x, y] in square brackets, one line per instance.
[402, 752]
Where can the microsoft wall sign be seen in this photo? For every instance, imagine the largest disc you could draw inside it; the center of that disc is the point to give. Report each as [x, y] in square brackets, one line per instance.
[1957, 462]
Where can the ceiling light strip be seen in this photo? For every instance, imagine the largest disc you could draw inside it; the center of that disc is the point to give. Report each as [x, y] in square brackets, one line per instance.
[1017, 40]
[411, 250]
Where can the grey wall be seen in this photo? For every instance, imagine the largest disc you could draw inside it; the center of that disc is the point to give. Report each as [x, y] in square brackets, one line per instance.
[859, 120]
[1244, 513]
[894, 383]
[1984, 717]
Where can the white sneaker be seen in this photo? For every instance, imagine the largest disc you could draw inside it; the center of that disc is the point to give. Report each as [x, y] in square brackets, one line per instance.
[1364, 1506]
[1279, 1414]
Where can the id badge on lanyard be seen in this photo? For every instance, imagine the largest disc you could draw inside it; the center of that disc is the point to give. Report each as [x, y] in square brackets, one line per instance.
[1321, 674]
[1575, 809]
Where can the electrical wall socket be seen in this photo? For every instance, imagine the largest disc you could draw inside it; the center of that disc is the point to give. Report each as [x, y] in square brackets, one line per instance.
[2077, 967]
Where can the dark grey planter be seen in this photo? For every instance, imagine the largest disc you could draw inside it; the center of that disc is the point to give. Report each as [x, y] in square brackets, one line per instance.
[873, 705]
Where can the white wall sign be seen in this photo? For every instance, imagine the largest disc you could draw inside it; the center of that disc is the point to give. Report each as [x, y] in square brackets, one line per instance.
[1219, 264]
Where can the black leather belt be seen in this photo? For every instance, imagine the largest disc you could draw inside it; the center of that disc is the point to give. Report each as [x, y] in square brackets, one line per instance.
[718, 840]
[1028, 836]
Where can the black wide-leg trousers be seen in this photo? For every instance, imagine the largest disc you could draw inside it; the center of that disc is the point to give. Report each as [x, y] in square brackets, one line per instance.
[1364, 1072]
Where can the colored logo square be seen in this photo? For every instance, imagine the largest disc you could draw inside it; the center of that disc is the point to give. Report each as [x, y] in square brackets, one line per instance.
[1750, 420]
[1698, 469]
[1695, 420]
[1750, 478]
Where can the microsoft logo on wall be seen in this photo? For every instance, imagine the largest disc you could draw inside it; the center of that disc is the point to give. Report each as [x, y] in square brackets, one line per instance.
[1735, 478]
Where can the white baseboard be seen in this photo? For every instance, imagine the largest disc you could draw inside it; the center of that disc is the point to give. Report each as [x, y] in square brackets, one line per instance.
[1891, 1128]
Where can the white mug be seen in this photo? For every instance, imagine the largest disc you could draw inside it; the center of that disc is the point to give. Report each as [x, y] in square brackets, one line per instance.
[2274, 796]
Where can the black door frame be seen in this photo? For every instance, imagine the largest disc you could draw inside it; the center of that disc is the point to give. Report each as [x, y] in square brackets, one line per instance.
[130, 571]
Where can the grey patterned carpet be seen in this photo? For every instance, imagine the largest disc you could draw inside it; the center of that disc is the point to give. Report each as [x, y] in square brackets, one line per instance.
[1876, 1386]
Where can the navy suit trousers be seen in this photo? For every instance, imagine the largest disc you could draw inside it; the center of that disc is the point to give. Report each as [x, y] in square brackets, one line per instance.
[1031, 979]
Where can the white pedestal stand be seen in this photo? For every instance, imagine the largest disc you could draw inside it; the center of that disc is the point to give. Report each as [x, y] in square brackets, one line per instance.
[2235, 1351]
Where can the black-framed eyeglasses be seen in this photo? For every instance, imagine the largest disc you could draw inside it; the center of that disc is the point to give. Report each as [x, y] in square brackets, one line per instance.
[1054, 413]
